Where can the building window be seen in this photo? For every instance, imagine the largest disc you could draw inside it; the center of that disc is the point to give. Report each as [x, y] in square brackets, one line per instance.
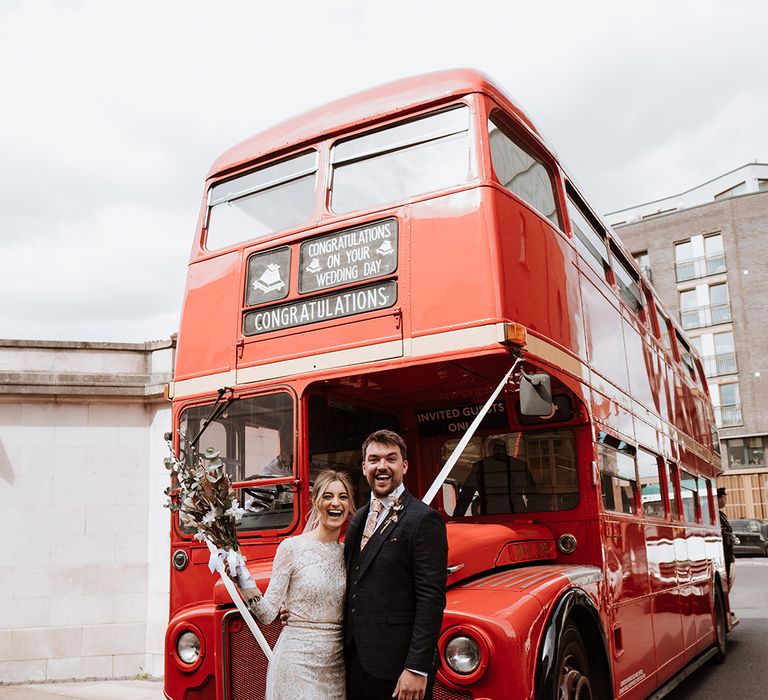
[705, 306]
[741, 188]
[746, 452]
[727, 404]
[717, 353]
[699, 256]
[724, 359]
[714, 256]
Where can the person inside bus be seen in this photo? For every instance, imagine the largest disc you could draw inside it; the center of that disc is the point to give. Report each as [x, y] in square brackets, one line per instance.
[264, 498]
[729, 539]
[309, 579]
[496, 485]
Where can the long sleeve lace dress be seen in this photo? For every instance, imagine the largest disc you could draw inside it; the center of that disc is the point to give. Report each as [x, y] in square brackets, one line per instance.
[308, 577]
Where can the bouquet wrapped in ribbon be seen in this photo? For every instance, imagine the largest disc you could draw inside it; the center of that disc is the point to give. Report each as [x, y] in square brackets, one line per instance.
[202, 494]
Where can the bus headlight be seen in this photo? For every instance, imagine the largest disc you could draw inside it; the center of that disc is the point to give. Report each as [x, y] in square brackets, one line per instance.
[188, 647]
[463, 655]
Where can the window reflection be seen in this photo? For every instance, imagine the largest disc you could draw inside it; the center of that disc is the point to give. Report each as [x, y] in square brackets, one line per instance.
[618, 481]
[520, 172]
[255, 439]
[271, 199]
[512, 473]
[402, 161]
[650, 484]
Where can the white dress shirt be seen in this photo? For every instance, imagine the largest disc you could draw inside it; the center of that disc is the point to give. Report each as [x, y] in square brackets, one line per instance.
[387, 503]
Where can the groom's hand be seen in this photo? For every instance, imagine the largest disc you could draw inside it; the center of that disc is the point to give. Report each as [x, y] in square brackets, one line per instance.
[410, 686]
[284, 614]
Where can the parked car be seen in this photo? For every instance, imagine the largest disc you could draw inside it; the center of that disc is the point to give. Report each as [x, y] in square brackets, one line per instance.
[752, 536]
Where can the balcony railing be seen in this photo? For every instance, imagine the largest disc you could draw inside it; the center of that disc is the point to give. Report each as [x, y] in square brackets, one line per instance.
[716, 365]
[699, 267]
[701, 316]
[726, 416]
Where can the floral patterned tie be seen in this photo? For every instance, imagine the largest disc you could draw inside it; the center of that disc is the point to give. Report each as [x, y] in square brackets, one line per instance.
[370, 524]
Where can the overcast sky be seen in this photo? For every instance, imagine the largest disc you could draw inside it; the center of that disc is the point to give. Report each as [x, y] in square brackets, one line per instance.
[112, 113]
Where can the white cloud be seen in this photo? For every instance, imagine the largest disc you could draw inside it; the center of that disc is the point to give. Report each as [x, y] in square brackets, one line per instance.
[113, 112]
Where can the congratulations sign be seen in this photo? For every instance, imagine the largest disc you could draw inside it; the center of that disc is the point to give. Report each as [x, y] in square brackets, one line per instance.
[322, 308]
[349, 256]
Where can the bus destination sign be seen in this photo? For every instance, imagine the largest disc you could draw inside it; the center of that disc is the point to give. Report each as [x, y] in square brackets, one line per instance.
[349, 302]
[349, 256]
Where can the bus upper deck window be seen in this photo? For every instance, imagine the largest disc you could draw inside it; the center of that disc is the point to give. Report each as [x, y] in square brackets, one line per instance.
[666, 339]
[685, 355]
[627, 282]
[392, 164]
[521, 173]
[264, 201]
[588, 236]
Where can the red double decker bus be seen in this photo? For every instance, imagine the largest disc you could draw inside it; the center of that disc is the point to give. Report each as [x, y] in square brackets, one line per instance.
[383, 262]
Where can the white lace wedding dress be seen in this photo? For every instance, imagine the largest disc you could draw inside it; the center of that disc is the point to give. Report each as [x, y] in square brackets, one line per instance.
[308, 578]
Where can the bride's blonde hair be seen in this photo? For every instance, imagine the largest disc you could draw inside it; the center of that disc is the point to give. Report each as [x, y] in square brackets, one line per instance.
[322, 481]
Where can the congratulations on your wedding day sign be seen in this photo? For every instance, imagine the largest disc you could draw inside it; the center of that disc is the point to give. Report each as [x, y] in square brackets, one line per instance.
[338, 259]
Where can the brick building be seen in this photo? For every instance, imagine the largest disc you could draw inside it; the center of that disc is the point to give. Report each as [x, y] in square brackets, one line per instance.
[706, 252]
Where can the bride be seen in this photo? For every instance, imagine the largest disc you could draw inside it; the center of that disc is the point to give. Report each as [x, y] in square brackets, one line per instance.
[309, 578]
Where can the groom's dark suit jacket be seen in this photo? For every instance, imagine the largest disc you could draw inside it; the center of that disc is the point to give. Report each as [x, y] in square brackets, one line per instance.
[396, 589]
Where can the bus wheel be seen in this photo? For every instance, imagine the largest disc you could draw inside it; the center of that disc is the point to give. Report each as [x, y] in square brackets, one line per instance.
[721, 629]
[574, 682]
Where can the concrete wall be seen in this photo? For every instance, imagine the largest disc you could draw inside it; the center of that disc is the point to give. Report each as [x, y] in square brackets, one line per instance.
[83, 534]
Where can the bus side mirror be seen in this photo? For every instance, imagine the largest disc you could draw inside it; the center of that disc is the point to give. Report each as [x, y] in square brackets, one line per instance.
[536, 395]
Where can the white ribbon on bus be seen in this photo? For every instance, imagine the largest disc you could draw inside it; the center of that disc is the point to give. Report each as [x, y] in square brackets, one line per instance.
[459, 449]
[219, 561]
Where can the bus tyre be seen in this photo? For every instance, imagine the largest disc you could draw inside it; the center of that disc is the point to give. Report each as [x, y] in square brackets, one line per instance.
[574, 675]
[721, 629]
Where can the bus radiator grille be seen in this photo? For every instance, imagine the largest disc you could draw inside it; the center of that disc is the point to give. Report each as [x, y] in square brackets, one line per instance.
[246, 665]
[440, 692]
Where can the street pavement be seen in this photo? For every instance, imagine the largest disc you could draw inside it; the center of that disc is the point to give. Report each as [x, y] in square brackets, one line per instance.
[742, 676]
[85, 690]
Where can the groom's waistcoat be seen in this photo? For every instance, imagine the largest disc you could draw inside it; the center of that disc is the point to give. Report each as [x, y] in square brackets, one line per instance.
[396, 589]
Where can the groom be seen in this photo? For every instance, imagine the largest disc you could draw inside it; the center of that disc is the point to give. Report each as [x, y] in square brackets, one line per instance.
[397, 555]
